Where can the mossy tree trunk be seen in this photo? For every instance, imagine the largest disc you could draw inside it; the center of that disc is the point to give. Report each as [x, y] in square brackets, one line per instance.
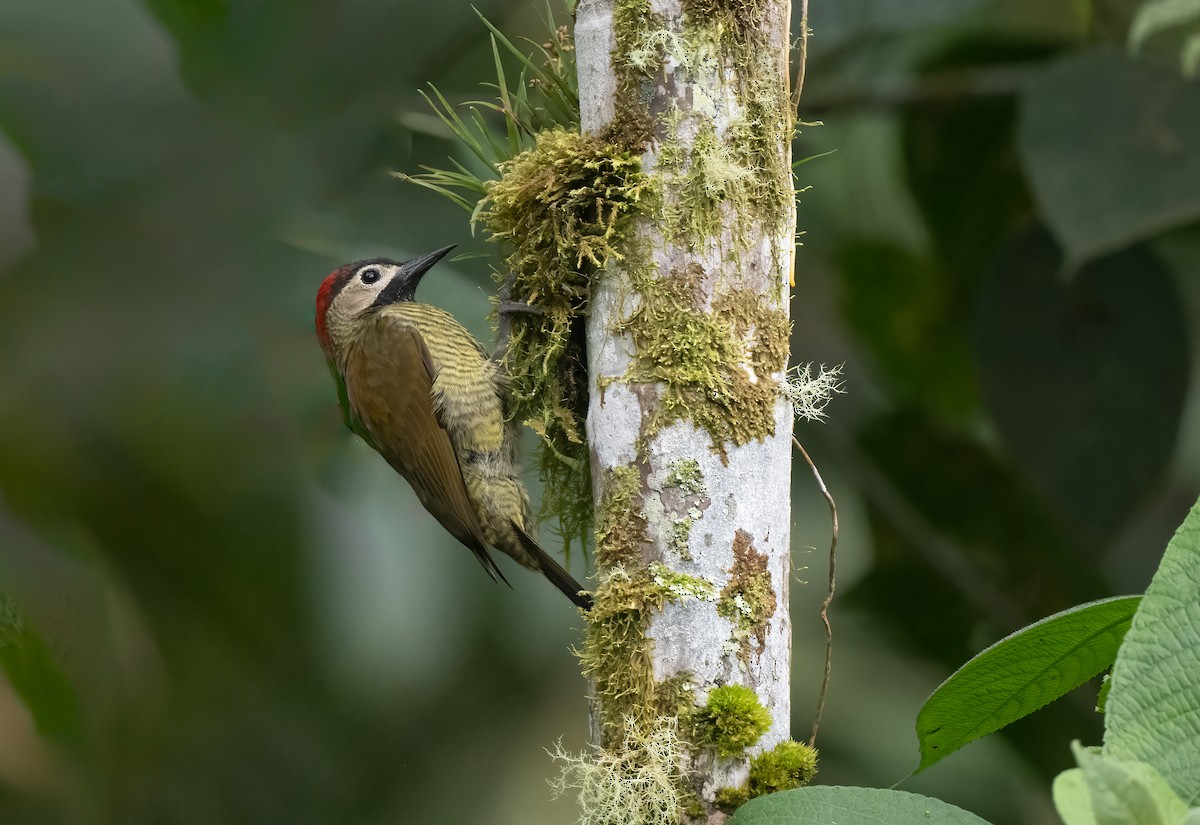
[689, 432]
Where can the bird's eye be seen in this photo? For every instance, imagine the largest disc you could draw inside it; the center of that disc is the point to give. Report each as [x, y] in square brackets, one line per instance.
[370, 276]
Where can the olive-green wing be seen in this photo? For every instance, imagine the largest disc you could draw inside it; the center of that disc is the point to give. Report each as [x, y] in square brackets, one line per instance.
[389, 385]
[348, 417]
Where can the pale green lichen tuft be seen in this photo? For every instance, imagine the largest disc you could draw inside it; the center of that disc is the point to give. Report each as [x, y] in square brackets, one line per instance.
[639, 781]
[809, 393]
[731, 720]
[685, 474]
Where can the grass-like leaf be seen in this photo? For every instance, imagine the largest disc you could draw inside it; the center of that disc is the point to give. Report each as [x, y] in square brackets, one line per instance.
[542, 96]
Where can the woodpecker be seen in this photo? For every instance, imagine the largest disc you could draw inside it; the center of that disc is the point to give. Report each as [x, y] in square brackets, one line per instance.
[425, 395]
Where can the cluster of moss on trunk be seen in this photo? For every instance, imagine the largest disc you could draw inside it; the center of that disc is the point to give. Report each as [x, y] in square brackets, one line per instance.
[564, 207]
[788, 765]
[616, 652]
[748, 600]
[718, 365]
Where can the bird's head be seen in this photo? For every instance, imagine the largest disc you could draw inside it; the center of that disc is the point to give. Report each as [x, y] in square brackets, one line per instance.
[353, 289]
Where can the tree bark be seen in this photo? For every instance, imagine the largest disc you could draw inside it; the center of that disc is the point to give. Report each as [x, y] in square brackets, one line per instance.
[709, 260]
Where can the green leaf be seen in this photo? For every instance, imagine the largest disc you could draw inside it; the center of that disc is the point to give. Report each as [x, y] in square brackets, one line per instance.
[1111, 147]
[850, 806]
[1126, 793]
[1022, 673]
[36, 676]
[1153, 709]
[1157, 16]
[1102, 694]
[1072, 799]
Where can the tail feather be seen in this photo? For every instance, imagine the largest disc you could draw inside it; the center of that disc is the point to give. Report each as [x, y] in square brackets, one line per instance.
[554, 571]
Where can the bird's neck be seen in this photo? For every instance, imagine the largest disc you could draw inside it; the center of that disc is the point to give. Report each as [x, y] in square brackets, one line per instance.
[342, 333]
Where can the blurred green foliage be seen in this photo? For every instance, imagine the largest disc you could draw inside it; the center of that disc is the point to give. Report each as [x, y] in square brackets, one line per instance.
[219, 607]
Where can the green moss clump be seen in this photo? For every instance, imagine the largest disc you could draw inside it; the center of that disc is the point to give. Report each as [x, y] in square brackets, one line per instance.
[563, 207]
[788, 765]
[615, 651]
[748, 166]
[676, 585]
[636, 58]
[731, 720]
[718, 369]
[730, 799]
[620, 522]
[748, 599]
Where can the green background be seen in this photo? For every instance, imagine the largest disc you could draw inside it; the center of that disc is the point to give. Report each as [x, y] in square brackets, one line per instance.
[221, 608]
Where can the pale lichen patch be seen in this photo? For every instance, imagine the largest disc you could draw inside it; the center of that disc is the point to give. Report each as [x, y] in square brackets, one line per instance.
[638, 781]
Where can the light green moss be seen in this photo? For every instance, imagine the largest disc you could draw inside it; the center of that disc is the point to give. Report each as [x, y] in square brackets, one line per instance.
[732, 720]
[746, 168]
[636, 59]
[675, 585]
[788, 765]
[730, 799]
[620, 522]
[563, 207]
[615, 651]
[718, 369]
[748, 600]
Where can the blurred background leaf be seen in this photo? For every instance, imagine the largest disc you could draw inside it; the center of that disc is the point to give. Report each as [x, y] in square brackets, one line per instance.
[236, 613]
